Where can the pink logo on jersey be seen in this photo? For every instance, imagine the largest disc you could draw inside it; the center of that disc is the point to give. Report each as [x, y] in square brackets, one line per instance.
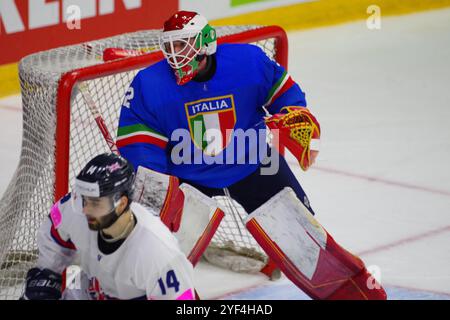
[55, 215]
[187, 295]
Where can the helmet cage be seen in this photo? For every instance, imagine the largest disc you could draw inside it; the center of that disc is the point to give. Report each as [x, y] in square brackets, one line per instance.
[191, 47]
[196, 41]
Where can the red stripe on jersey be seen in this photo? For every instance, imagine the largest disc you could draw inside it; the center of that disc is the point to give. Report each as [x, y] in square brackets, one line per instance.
[66, 244]
[226, 120]
[289, 83]
[142, 139]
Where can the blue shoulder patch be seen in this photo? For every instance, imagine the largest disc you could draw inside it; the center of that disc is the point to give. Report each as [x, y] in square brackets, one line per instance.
[65, 198]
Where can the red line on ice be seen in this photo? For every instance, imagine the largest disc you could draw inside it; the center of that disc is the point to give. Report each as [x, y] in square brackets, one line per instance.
[407, 240]
[417, 289]
[383, 181]
[238, 291]
[10, 108]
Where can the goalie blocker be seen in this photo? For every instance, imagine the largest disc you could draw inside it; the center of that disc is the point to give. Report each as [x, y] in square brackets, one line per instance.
[307, 254]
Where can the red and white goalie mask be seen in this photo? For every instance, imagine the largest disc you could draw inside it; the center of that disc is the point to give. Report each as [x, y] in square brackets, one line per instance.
[185, 39]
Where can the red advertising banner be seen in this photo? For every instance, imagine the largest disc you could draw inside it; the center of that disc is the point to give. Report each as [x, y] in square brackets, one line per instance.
[28, 26]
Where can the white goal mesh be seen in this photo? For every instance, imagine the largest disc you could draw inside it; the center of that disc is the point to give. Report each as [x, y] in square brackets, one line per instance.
[37, 180]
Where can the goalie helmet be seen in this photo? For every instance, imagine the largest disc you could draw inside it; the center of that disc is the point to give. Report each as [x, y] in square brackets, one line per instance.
[99, 187]
[185, 40]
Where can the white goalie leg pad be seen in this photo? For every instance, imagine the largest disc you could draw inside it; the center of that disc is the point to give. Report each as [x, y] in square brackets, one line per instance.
[199, 222]
[293, 229]
[306, 252]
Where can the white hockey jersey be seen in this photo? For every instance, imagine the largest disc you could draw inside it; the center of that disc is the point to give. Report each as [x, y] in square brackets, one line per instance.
[147, 265]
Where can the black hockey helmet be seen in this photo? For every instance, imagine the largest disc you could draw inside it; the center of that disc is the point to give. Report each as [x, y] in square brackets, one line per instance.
[106, 174]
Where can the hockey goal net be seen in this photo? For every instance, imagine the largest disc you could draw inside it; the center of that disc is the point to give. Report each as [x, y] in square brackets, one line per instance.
[60, 136]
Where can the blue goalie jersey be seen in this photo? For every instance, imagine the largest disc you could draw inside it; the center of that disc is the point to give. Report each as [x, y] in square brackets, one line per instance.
[211, 133]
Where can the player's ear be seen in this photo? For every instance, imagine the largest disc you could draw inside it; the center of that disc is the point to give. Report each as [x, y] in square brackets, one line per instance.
[123, 204]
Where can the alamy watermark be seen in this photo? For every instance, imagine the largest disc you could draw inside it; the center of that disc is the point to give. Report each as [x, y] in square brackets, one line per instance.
[73, 17]
[374, 281]
[373, 22]
[72, 278]
[234, 146]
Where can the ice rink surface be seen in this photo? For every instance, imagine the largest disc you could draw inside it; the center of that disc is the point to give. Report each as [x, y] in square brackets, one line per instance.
[381, 185]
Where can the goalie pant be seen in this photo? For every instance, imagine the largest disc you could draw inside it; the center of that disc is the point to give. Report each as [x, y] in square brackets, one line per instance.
[282, 222]
[256, 189]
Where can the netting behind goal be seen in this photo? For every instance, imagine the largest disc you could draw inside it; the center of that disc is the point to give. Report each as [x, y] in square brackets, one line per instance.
[60, 136]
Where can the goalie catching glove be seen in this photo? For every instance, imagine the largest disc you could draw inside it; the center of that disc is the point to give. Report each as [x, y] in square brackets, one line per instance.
[299, 131]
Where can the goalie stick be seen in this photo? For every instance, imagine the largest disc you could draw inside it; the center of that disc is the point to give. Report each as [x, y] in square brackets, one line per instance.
[84, 90]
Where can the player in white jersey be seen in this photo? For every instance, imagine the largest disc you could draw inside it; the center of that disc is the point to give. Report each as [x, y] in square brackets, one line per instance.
[123, 248]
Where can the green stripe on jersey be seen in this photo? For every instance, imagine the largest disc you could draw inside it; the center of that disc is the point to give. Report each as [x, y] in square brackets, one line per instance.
[129, 130]
[276, 86]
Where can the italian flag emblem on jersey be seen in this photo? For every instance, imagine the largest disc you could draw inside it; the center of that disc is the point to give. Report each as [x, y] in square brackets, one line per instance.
[211, 123]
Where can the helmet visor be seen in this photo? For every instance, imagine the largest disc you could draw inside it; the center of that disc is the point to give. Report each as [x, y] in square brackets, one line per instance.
[90, 204]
